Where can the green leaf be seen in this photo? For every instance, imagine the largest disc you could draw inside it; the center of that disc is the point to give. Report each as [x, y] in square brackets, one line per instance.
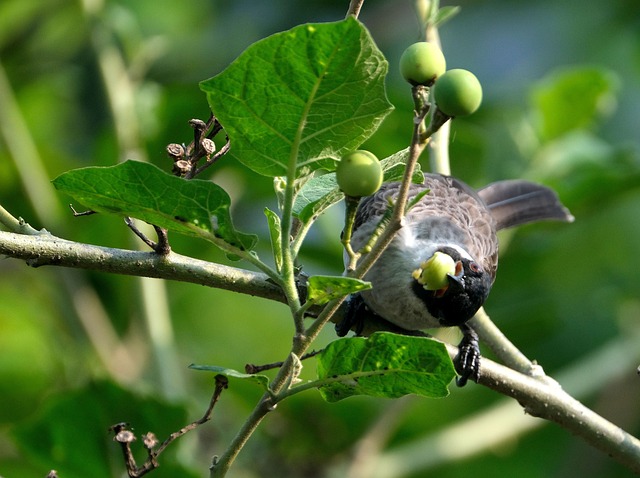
[395, 165]
[322, 289]
[445, 14]
[275, 233]
[384, 365]
[143, 191]
[71, 433]
[261, 380]
[316, 196]
[302, 97]
[321, 192]
[573, 98]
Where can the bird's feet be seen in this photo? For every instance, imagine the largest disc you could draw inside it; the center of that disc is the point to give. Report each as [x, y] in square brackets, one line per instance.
[354, 316]
[468, 360]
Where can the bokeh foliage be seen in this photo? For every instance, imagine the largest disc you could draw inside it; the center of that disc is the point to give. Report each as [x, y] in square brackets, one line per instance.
[561, 100]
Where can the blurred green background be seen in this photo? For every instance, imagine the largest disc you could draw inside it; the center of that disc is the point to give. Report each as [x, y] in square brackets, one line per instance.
[95, 82]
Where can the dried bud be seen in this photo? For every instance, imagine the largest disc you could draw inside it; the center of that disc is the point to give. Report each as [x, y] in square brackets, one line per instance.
[208, 146]
[125, 436]
[175, 151]
[197, 124]
[149, 440]
[181, 167]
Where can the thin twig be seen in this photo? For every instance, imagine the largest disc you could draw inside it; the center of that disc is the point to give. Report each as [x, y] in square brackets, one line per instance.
[253, 369]
[354, 8]
[214, 158]
[125, 437]
[131, 225]
[221, 385]
[88, 212]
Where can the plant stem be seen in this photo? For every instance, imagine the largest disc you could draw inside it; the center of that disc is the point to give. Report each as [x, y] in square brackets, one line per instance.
[586, 377]
[287, 274]
[220, 467]
[354, 8]
[549, 401]
[351, 208]
[493, 337]
[15, 225]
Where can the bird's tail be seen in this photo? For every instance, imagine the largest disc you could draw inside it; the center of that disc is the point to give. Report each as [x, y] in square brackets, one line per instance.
[516, 202]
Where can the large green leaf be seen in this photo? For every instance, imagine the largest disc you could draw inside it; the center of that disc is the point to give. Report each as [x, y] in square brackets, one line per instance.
[302, 97]
[141, 190]
[384, 365]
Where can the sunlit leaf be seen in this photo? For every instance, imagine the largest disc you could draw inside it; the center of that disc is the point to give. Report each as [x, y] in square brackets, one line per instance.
[385, 365]
[302, 97]
[322, 289]
[143, 191]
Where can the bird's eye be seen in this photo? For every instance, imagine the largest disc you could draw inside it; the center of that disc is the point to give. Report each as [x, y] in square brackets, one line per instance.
[474, 267]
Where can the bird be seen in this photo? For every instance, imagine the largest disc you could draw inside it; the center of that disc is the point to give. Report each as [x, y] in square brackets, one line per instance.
[441, 265]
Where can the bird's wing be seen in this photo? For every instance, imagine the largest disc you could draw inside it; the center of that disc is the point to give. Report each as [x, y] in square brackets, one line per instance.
[516, 202]
[448, 200]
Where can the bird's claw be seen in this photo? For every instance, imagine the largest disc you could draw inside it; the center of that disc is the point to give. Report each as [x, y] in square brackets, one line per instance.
[467, 361]
[354, 316]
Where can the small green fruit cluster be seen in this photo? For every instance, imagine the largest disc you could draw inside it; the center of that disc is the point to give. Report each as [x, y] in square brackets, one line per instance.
[359, 173]
[457, 92]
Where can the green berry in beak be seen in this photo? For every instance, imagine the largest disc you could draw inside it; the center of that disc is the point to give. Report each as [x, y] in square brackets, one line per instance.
[434, 272]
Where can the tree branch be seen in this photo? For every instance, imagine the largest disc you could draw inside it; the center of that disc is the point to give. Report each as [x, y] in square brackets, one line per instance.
[546, 399]
[45, 249]
[540, 398]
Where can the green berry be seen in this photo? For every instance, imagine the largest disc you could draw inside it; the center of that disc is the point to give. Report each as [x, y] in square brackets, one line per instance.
[433, 272]
[359, 173]
[458, 93]
[422, 63]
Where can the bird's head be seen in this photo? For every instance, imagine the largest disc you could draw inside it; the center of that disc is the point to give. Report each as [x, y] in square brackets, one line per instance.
[453, 287]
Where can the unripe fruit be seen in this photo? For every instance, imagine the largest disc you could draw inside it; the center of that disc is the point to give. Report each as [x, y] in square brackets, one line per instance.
[422, 63]
[433, 273]
[359, 173]
[458, 93]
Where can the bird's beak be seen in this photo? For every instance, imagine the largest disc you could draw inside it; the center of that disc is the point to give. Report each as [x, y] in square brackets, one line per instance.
[456, 280]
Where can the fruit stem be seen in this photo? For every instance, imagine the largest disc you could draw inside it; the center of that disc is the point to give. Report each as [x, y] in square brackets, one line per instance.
[439, 144]
[351, 204]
